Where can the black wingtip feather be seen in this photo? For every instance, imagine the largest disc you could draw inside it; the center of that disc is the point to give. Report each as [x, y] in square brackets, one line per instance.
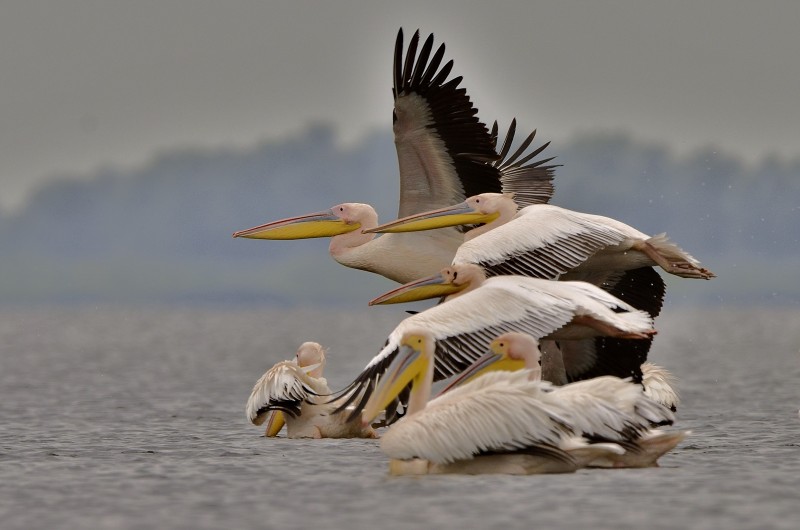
[422, 60]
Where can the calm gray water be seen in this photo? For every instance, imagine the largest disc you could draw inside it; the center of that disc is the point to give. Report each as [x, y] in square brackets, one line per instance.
[134, 418]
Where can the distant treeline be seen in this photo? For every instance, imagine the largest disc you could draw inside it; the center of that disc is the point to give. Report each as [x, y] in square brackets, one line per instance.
[162, 233]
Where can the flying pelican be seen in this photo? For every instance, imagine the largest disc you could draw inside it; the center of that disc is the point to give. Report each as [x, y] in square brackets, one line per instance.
[488, 301]
[617, 410]
[464, 325]
[499, 423]
[445, 154]
[292, 392]
[547, 241]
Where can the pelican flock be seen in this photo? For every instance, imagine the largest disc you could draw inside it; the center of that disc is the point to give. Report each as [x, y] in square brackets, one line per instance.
[544, 318]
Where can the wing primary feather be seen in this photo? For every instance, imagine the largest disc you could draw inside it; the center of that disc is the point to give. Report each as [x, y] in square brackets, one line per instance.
[422, 60]
[443, 73]
[433, 66]
[521, 149]
[410, 55]
[398, 61]
[508, 139]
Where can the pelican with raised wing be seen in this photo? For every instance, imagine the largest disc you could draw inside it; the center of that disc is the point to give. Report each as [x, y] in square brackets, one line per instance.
[500, 423]
[607, 408]
[464, 325]
[445, 154]
[294, 393]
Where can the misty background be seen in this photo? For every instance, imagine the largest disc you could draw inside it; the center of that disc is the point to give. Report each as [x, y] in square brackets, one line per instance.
[135, 138]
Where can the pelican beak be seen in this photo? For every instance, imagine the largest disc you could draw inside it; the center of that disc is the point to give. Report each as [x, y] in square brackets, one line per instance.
[275, 424]
[407, 366]
[460, 214]
[490, 361]
[319, 224]
[431, 287]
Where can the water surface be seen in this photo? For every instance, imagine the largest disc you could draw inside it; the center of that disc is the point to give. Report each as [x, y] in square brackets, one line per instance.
[134, 418]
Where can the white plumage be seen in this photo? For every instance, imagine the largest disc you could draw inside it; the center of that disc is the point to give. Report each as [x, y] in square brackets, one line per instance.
[607, 409]
[660, 385]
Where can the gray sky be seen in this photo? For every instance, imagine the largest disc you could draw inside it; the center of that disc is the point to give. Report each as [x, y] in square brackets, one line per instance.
[87, 84]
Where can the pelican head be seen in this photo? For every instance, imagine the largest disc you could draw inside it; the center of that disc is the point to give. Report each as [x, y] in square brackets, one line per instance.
[413, 364]
[311, 357]
[340, 219]
[450, 281]
[510, 351]
[478, 209]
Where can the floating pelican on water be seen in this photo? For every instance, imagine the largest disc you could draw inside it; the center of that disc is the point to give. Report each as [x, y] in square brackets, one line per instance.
[445, 154]
[610, 409]
[464, 326]
[295, 393]
[499, 423]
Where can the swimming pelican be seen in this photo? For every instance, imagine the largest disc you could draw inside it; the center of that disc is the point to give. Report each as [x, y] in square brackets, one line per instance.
[547, 241]
[611, 409]
[464, 325]
[496, 424]
[292, 392]
[445, 154]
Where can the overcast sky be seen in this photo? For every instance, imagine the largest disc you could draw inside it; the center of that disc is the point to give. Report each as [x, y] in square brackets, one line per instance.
[87, 84]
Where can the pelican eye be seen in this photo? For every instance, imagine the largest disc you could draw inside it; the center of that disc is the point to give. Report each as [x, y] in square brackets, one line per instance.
[455, 275]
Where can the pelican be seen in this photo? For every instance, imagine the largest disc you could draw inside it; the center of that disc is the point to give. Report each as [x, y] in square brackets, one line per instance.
[444, 153]
[496, 424]
[547, 241]
[292, 392]
[489, 298]
[611, 409]
[464, 325]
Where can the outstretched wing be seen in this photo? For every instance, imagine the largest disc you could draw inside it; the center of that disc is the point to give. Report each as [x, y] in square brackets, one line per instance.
[443, 149]
[642, 288]
[541, 241]
[531, 183]
[283, 387]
